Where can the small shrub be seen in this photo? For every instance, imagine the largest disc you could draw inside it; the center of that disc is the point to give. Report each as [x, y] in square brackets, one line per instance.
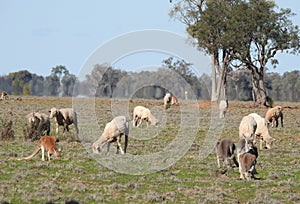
[35, 130]
[7, 132]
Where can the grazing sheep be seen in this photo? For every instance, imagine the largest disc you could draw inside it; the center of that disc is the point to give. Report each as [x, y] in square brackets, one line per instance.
[223, 107]
[141, 113]
[113, 132]
[225, 152]
[167, 100]
[247, 163]
[41, 119]
[262, 131]
[64, 117]
[273, 114]
[247, 127]
[4, 95]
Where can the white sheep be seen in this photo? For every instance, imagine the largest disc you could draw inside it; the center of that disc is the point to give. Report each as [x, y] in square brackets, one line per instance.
[247, 127]
[167, 100]
[113, 132]
[141, 113]
[64, 117]
[42, 119]
[273, 114]
[262, 130]
[223, 107]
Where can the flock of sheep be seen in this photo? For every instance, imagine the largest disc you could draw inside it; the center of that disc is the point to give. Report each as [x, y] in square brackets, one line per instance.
[252, 128]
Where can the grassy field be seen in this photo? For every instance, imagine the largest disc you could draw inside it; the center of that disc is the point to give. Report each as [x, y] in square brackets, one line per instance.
[81, 176]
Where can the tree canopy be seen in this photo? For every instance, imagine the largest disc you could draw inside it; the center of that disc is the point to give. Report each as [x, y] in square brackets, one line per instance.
[239, 34]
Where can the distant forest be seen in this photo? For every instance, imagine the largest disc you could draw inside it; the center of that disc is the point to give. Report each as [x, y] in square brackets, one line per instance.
[175, 77]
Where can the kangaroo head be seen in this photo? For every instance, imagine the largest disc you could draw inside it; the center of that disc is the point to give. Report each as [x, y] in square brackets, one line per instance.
[57, 152]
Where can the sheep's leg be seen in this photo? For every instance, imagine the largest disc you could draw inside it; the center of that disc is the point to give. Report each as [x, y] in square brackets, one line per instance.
[76, 126]
[276, 122]
[118, 149]
[56, 129]
[126, 143]
[108, 145]
[119, 145]
[134, 121]
[140, 122]
[281, 120]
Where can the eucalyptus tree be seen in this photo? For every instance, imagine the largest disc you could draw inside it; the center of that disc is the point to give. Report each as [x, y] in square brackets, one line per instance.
[239, 33]
[210, 24]
[21, 82]
[68, 82]
[52, 85]
[267, 32]
[104, 79]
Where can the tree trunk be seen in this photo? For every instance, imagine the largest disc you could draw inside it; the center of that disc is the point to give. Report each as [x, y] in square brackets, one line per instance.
[221, 90]
[214, 96]
[258, 88]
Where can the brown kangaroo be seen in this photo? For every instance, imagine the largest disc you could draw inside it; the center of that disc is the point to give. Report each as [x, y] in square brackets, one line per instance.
[47, 143]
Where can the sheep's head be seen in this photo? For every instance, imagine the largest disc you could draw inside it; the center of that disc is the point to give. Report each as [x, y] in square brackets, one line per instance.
[269, 143]
[97, 148]
[53, 112]
[30, 117]
[155, 122]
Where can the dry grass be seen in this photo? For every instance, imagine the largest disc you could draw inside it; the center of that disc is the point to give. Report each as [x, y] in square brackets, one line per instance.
[77, 176]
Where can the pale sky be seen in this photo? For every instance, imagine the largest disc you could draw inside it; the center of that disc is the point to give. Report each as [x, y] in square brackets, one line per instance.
[38, 35]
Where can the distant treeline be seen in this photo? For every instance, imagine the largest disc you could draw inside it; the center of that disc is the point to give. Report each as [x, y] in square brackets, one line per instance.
[177, 78]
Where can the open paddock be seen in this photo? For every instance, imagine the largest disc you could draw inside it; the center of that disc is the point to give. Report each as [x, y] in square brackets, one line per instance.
[77, 176]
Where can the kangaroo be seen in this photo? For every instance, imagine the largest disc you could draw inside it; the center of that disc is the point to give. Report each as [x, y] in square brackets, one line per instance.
[225, 152]
[47, 143]
[247, 154]
[247, 163]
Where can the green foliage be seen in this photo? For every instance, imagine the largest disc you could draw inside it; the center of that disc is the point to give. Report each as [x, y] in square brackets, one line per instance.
[249, 32]
[104, 79]
[52, 85]
[26, 90]
[68, 82]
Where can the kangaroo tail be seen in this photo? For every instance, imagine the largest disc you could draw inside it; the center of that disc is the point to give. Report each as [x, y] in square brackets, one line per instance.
[30, 156]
